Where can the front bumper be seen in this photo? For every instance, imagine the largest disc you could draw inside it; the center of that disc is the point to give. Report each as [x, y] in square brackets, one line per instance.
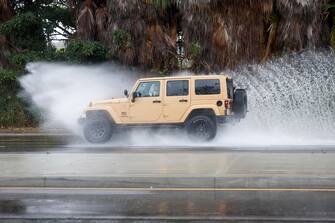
[82, 119]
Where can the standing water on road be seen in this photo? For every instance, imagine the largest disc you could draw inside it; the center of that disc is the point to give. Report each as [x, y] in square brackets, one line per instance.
[291, 99]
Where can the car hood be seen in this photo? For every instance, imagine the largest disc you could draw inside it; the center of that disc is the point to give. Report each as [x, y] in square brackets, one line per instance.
[109, 101]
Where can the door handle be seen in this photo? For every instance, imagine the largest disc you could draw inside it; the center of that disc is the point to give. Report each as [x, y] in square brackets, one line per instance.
[156, 101]
[182, 100]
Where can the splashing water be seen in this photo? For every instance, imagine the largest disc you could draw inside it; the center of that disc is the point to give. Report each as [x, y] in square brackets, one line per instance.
[291, 99]
[62, 91]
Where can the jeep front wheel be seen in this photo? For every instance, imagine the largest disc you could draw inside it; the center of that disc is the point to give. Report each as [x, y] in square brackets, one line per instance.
[98, 130]
[201, 128]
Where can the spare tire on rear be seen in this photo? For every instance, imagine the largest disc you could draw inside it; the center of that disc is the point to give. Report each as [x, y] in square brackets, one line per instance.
[240, 103]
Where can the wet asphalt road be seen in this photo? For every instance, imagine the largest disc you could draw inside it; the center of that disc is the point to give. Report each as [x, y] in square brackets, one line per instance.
[169, 205]
[46, 179]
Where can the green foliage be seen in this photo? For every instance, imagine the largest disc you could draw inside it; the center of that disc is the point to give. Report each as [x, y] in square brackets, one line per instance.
[50, 11]
[273, 18]
[26, 31]
[122, 38]
[30, 31]
[86, 51]
[194, 51]
[332, 36]
[328, 8]
[8, 75]
[162, 4]
[25, 57]
[328, 14]
[56, 14]
[14, 111]
[57, 18]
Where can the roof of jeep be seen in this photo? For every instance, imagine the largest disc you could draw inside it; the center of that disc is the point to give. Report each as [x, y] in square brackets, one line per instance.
[186, 77]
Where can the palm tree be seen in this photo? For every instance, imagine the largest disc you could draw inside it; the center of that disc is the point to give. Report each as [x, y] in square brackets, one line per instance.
[86, 24]
[227, 31]
[147, 37]
[300, 25]
[6, 12]
[329, 16]
[217, 33]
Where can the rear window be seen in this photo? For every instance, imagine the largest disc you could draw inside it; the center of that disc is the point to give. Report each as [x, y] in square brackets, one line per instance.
[206, 87]
[177, 88]
[230, 88]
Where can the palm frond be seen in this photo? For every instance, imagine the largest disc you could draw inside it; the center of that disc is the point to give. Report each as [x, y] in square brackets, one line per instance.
[228, 31]
[86, 24]
[300, 25]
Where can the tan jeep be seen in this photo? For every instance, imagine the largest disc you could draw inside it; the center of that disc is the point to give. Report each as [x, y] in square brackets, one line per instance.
[195, 103]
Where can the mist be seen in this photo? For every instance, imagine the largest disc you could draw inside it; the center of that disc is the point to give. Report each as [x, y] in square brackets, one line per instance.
[291, 100]
[61, 91]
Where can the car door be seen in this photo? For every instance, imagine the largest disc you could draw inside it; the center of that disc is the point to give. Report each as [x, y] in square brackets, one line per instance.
[147, 106]
[177, 99]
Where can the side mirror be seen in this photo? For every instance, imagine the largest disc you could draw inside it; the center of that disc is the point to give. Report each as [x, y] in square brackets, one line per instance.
[134, 95]
[125, 92]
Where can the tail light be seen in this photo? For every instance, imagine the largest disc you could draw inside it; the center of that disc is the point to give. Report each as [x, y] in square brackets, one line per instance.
[228, 104]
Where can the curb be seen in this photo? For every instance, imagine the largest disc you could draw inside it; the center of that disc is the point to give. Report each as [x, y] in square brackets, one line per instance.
[169, 182]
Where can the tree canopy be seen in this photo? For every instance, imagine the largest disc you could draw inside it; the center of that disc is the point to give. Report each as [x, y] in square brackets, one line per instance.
[155, 35]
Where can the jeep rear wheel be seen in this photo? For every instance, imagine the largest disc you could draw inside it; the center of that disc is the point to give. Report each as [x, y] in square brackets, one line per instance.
[98, 130]
[201, 128]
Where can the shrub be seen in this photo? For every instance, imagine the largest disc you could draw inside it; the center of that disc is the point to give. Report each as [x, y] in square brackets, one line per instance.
[86, 51]
[25, 57]
[194, 51]
[8, 75]
[26, 31]
[332, 35]
[13, 110]
[122, 38]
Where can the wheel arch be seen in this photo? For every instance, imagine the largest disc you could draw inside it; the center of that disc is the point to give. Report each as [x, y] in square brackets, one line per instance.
[200, 111]
[99, 113]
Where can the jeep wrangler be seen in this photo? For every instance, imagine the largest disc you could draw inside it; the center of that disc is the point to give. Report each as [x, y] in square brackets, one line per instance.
[195, 103]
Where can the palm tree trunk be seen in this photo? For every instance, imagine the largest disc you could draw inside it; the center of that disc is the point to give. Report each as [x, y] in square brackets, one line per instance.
[6, 13]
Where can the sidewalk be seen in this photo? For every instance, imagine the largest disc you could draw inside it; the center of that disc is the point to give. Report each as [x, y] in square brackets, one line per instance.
[185, 169]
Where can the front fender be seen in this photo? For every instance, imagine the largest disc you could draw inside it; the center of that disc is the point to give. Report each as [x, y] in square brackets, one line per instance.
[108, 110]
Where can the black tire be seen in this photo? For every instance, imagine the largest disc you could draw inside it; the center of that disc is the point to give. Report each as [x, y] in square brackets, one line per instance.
[201, 128]
[240, 103]
[98, 130]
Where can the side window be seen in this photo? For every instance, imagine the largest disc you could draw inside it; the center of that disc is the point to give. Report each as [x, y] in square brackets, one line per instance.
[205, 87]
[177, 88]
[148, 89]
